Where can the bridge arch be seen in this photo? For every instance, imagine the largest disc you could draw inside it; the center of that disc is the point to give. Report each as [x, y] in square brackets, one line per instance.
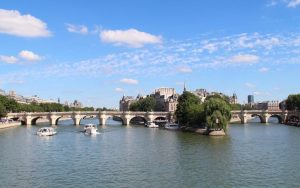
[34, 120]
[261, 118]
[139, 120]
[112, 117]
[279, 118]
[21, 119]
[66, 117]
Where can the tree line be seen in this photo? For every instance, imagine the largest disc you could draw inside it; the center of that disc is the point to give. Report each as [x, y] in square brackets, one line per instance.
[10, 105]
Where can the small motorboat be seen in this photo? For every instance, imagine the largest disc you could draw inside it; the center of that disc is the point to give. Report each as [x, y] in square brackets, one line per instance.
[152, 125]
[172, 126]
[90, 129]
[46, 131]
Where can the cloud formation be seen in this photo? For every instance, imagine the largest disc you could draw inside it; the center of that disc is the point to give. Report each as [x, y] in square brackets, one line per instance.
[8, 59]
[185, 69]
[293, 3]
[129, 81]
[13, 23]
[263, 69]
[187, 55]
[130, 37]
[29, 56]
[81, 29]
[119, 90]
[244, 58]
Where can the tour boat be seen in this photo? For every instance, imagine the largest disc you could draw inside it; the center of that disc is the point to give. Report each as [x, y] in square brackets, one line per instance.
[46, 131]
[152, 125]
[90, 129]
[172, 126]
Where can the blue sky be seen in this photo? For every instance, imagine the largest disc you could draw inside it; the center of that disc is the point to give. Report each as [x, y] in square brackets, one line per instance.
[95, 51]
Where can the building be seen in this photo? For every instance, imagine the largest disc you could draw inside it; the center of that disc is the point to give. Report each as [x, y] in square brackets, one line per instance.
[250, 99]
[171, 103]
[125, 103]
[233, 99]
[201, 93]
[165, 92]
[267, 105]
[165, 99]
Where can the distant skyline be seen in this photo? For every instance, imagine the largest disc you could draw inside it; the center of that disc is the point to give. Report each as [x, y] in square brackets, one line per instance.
[96, 51]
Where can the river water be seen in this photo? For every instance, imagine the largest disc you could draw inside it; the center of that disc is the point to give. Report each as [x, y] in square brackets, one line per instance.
[251, 155]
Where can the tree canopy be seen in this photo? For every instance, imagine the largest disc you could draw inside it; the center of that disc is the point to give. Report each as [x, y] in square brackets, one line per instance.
[10, 105]
[145, 105]
[217, 113]
[189, 109]
[293, 102]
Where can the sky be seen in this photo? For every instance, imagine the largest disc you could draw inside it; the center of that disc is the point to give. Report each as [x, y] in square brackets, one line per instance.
[97, 51]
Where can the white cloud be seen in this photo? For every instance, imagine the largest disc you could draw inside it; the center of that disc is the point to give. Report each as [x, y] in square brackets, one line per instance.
[263, 69]
[257, 93]
[244, 58]
[250, 85]
[129, 81]
[293, 3]
[81, 29]
[13, 23]
[210, 47]
[272, 3]
[297, 42]
[185, 69]
[29, 56]
[130, 37]
[267, 43]
[8, 59]
[119, 90]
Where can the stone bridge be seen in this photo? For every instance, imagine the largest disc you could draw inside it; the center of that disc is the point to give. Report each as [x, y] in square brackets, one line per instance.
[53, 117]
[264, 115]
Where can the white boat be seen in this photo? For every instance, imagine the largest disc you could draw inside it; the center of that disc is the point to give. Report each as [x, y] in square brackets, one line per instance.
[152, 125]
[46, 131]
[172, 126]
[90, 129]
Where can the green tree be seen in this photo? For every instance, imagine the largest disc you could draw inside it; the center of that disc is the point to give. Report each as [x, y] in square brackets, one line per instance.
[2, 110]
[147, 104]
[189, 110]
[236, 107]
[135, 106]
[216, 108]
[293, 102]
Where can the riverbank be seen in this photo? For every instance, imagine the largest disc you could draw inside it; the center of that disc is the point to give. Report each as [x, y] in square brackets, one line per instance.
[9, 125]
[203, 131]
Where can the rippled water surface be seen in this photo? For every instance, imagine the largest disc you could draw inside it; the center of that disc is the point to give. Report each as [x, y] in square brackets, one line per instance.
[252, 155]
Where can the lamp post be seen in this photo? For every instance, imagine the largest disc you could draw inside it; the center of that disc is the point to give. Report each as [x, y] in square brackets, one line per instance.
[217, 122]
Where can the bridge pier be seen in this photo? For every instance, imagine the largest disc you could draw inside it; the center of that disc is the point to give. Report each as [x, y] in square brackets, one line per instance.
[102, 121]
[28, 121]
[126, 121]
[52, 119]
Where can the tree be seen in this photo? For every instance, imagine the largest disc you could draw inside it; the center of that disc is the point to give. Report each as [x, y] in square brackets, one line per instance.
[216, 108]
[235, 106]
[189, 110]
[147, 104]
[2, 110]
[293, 102]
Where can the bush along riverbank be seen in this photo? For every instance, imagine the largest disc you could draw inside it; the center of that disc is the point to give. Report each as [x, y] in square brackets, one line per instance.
[208, 118]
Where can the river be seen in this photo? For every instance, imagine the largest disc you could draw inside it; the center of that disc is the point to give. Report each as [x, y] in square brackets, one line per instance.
[251, 155]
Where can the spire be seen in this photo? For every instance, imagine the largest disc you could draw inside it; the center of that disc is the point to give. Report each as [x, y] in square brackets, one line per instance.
[184, 88]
